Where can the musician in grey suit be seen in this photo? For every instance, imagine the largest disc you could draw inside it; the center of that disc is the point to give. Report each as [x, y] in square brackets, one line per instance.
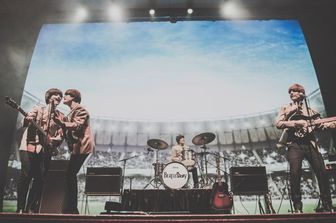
[294, 118]
[34, 155]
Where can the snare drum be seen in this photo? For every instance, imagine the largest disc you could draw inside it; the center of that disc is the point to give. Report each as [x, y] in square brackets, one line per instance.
[175, 175]
[188, 158]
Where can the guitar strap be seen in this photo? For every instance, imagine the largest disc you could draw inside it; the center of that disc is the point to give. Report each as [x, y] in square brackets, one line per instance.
[39, 122]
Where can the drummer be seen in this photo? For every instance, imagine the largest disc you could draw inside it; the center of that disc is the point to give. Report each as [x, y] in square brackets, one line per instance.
[177, 155]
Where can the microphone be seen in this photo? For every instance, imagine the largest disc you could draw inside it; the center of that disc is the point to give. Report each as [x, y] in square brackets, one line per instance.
[303, 95]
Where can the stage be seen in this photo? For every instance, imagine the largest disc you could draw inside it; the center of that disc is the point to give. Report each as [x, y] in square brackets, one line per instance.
[165, 217]
[185, 205]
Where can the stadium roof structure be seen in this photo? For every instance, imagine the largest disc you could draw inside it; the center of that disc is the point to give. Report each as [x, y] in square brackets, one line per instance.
[253, 130]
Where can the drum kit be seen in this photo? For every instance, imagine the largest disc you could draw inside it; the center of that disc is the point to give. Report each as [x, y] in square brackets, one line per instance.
[175, 175]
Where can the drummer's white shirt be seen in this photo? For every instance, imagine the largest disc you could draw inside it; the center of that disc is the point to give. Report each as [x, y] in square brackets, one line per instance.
[176, 154]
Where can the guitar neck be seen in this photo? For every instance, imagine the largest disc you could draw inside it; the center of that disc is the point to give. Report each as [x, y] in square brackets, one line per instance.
[324, 120]
[25, 114]
[9, 101]
[218, 171]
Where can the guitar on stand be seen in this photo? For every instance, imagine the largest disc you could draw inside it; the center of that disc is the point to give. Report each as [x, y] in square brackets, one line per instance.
[49, 146]
[221, 199]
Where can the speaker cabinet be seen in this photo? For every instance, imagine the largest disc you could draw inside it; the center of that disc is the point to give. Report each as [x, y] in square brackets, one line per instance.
[248, 180]
[103, 181]
[53, 192]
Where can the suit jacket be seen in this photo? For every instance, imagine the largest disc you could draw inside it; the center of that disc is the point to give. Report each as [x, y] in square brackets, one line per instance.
[283, 121]
[30, 140]
[77, 124]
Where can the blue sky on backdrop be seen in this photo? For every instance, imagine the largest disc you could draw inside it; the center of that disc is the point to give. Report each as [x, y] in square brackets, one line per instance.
[161, 71]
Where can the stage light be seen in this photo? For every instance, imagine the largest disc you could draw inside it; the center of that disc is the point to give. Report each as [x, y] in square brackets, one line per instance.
[190, 11]
[81, 14]
[233, 10]
[115, 12]
[152, 12]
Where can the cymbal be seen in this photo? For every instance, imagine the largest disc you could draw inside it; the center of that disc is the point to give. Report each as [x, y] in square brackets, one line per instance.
[203, 138]
[157, 144]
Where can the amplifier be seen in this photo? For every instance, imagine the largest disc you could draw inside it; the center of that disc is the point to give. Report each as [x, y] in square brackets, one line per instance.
[53, 193]
[248, 180]
[103, 181]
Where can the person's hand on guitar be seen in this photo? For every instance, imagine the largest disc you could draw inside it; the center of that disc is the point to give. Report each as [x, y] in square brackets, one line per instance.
[27, 120]
[300, 124]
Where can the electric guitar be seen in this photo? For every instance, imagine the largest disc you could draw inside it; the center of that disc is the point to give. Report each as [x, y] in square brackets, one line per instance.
[221, 199]
[304, 131]
[50, 146]
[311, 123]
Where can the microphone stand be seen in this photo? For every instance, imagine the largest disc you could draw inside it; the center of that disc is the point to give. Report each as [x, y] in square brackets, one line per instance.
[314, 140]
[310, 124]
[124, 168]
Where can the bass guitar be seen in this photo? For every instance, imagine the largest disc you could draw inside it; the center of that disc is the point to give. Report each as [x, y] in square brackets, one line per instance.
[48, 145]
[221, 199]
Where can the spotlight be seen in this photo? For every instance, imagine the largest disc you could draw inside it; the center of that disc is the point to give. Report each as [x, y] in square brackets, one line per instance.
[115, 12]
[190, 11]
[152, 12]
[81, 14]
[233, 10]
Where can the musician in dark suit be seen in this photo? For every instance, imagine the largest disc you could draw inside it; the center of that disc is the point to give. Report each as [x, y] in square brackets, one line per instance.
[34, 158]
[77, 132]
[178, 153]
[302, 144]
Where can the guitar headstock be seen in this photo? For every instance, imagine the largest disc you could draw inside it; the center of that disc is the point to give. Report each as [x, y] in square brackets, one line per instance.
[11, 102]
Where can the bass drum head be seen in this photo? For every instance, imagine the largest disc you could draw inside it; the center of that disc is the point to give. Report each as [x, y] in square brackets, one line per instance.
[175, 175]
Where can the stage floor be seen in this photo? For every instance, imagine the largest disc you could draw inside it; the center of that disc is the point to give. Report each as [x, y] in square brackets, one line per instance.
[173, 217]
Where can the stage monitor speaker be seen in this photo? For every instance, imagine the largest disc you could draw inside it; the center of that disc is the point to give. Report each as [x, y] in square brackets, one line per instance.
[103, 181]
[248, 180]
[53, 192]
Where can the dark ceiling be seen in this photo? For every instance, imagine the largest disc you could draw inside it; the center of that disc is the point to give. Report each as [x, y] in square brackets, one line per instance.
[58, 10]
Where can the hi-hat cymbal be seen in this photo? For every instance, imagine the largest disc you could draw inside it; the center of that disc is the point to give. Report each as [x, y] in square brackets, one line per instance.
[157, 144]
[203, 138]
[202, 153]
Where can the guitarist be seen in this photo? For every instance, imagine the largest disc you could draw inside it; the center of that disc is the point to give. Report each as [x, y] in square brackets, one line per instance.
[34, 159]
[77, 132]
[303, 145]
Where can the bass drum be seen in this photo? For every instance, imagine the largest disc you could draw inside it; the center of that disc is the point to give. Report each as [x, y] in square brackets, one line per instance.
[175, 175]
